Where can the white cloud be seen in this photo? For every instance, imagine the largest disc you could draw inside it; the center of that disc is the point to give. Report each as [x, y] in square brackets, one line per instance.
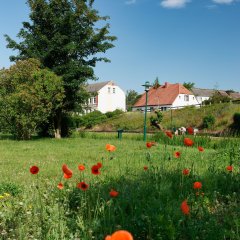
[129, 2]
[223, 1]
[174, 3]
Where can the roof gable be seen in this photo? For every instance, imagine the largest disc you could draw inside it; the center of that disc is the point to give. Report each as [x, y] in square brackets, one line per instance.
[95, 87]
[163, 95]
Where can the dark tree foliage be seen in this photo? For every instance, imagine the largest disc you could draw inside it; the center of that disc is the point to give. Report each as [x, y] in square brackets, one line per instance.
[63, 35]
[156, 83]
[189, 85]
[131, 98]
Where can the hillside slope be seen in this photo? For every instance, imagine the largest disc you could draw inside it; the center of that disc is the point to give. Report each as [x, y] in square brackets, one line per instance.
[189, 116]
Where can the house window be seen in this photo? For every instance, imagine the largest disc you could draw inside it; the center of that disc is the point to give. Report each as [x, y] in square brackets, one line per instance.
[90, 100]
[114, 90]
[179, 96]
[94, 100]
[186, 98]
[193, 98]
[109, 89]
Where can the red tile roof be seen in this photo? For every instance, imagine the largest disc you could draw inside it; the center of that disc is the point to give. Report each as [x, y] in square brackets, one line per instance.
[163, 95]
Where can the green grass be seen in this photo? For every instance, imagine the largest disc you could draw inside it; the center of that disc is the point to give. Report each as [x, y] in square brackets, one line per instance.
[149, 201]
[188, 116]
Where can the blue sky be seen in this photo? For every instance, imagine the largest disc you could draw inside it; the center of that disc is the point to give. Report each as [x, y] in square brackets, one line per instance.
[175, 40]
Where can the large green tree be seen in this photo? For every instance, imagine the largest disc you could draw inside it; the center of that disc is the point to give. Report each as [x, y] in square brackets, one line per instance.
[28, 96]
[67, 36]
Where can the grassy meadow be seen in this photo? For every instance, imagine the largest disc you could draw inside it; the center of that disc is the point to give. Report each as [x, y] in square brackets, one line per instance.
[149, 182]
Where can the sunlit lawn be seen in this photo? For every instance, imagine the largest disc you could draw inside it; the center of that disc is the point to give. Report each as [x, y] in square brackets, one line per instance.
[148, 204]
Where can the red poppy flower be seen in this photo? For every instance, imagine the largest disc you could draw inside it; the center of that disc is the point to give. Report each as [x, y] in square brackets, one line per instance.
[34, 170]
[185, 208]
[83, 186]
[185, 171]
[150, 144]
[197, 185]
[67, 172]
[95, 170]
[177, 154]
[113, 193]
[60, 186]
[145, 168]
[110, 148]
[229, 168]
[200, 149]
[120, 235]
[169, 134]
[190, 130]
[99, 165]
[188, 142]
[81, 167]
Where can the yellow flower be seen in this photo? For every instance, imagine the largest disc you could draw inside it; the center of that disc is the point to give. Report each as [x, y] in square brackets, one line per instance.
[1, 197]
[7, 194]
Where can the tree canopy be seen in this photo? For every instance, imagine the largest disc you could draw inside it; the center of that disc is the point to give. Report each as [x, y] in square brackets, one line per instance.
[66, 37]
[28, 96]
[189, 85]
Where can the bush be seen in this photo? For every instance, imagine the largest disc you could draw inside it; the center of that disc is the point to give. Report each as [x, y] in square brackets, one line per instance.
[93, 118]
[113, 113]
[236, 120]
[208, 121]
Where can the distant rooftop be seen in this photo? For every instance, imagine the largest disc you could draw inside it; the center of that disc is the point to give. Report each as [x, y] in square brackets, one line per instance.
[97, 86]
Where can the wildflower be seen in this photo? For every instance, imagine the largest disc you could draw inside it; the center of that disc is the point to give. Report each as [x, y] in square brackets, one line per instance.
[113, 193]
[188, 142]
[110, 148]
[99, 165]
[190, 130]
[83, 186]
[60, 186]
[1, 197]
[177, 154]
[185, 171]
[150, 144]
[169, 134]
[34, 170]
[95, 170]
[197, 185]
[185, 208]
[81, 167]
[229, 168]
[120, 235]
[7, 194]
[200, 149]
[67, 172]
[145, 168]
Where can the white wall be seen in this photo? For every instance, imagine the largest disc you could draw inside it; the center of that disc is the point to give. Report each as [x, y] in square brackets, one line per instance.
[181, 100]
[200, 99]
[108, 100]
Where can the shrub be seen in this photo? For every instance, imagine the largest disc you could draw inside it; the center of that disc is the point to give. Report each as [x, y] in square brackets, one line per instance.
[208, 121]
[236, 120]
[113, 113]
[93, 118]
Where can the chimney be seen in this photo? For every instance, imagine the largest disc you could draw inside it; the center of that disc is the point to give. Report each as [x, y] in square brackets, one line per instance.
[166, 84]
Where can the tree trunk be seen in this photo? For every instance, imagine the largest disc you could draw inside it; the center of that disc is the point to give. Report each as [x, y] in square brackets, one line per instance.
[58, 125]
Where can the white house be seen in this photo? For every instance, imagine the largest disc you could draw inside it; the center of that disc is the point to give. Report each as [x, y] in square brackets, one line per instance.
[106, 97]
[167, 96]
